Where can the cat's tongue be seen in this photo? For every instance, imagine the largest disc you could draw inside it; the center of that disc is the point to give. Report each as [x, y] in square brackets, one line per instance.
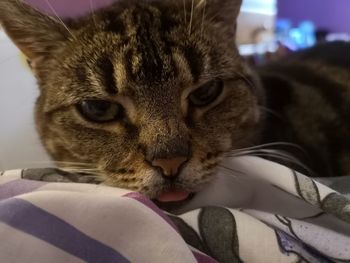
[173, 196]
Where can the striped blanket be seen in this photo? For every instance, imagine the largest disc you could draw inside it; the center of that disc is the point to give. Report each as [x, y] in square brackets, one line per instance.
[264, 212]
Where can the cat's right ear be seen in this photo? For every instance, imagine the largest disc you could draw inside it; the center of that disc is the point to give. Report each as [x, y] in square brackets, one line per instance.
[35, 34]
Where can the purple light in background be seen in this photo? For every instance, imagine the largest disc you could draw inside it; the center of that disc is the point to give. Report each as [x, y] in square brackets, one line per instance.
[326, 14]
[68, 8]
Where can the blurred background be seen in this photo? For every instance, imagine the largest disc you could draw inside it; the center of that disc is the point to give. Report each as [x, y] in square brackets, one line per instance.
[267, 30]
[270, 29]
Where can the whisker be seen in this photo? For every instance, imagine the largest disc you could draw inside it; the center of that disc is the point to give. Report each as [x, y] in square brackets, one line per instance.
[77, 169]
[85, 177]
[95, 176]
[281, 158]
[247, 80]
[272, 144]
[58, 18]
[210, 19]
[185, 12]
[203, 18]
[60, 164]
[191, 19]
[272, 153]
[82, 170]
[279, 155]
[76, 164]
[231, 170]
[286, 155]
[272, 112]
[92, 12]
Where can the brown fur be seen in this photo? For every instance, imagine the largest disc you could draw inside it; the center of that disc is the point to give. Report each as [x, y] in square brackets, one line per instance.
[160, 51]
[149, 56]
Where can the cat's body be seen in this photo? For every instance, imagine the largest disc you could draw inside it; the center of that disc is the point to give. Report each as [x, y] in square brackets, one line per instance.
[153, 94]
[308, 95]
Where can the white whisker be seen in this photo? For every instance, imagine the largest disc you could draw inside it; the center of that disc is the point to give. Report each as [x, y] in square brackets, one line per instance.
[62, 164]
[210, 19]
[275, 154]
[185, 12]
[272, 112]
[248, 81]
[92, 12]
[191, 19]
[234, 171]
[58, 18]
[203, 18]
[273, 144]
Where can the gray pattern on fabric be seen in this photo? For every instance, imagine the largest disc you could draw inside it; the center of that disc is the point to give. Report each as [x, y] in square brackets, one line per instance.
[218, 231]
[217, 236]
[337, 205]
[189, 234]
[307, 189]
[334, 203]
[265, 213]
[56, 175]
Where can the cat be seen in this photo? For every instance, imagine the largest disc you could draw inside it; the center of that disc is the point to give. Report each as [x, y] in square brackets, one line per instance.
[309, 92]
[153, 95]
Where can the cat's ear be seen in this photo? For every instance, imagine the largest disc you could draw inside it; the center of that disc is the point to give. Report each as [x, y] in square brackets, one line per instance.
[34, 33]
[222, 12]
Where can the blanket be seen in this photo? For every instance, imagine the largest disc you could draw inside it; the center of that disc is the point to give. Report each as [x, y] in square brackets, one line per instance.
[254, 211]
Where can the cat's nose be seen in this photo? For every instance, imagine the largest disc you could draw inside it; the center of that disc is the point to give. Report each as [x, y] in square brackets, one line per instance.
[170, 167]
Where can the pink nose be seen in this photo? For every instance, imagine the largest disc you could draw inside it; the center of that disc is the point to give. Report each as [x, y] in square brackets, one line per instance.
[170, 167]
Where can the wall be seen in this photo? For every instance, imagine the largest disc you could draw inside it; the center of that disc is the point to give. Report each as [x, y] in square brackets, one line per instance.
[19, 143]
[332, 14]
[68, 8]
[329, 14]
[256, 21]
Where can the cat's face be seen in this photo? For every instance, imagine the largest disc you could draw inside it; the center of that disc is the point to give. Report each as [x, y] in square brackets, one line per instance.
[152, 93]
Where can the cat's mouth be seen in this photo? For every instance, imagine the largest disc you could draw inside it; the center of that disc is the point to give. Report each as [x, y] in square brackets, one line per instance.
[173, 198]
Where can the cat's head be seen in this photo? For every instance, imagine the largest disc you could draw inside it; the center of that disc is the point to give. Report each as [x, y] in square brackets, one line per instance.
[152, 93]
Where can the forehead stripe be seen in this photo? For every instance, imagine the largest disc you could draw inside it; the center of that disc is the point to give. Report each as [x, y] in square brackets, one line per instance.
[105, 69]
[115, 24]
[194, 60]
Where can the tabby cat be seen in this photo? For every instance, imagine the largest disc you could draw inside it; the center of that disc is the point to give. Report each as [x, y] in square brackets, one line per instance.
[153, 94]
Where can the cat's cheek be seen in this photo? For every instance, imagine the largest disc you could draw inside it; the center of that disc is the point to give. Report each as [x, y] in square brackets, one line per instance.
[252, 116]
[194, 179]
[145, 180]
[200, 169]
[226, 142]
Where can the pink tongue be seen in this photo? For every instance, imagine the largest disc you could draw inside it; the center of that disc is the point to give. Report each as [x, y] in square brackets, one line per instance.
[173, 196]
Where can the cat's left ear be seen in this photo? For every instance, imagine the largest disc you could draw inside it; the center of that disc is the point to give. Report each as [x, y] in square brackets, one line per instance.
[35, 34]
[222, 12]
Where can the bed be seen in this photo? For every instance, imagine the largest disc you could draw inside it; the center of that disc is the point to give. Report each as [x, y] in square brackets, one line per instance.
[262, 212]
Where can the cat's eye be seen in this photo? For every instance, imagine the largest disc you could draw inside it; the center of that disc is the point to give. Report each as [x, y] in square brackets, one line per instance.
[207, 93]
[100, 111]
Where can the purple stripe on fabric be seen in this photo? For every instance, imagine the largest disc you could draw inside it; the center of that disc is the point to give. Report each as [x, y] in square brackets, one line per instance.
[145, 201]
[201, 258]
[24, 216]
[18, 187]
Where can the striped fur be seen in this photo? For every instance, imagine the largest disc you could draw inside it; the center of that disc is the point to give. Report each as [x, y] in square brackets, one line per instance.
[148, 56]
